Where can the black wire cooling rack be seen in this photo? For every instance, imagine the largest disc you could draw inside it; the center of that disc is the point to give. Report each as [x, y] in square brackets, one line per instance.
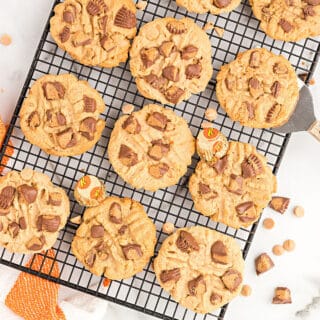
[141, 292]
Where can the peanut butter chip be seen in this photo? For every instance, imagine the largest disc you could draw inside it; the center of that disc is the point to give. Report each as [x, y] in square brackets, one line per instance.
[277, 250]
[298, 211]
[5, 40]
[268, 223]
[263, 263]
[168, 228]
[282, 295]
[289, 245]
[127, 108]
[246, 290]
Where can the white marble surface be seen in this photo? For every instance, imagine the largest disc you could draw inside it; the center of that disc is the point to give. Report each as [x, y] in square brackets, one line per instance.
[298, 177]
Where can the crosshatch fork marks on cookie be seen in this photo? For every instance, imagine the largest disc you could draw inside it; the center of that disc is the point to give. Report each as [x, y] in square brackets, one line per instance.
[173, 204]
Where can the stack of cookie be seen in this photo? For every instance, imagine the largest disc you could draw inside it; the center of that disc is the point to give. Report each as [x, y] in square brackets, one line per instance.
[151, 148]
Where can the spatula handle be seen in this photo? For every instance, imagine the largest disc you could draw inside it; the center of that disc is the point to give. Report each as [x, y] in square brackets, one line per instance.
[315, 130]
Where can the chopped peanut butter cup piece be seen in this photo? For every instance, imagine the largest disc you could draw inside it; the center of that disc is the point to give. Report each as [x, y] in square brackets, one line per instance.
[215, 298]
[173, 94]
[122, 230]
[285, 25]
[97, 231]
[55, 199]
[95, 7]
[149, 56]
[251, 167]
[186, 242]
[35, 243]
[127, 156]
[282, 295]
[48, 223]
[158, 170]
[13, 229]
[53, 90]
[176, 27]
[90, 258]
[197, 286]
[254, 61]
[189, 52]
[88, 127]
[170, 275]
[66, 138]
[158, 121]
[6, 199]
[28, 193]
[69, 14]
[34, 120]
[90, 104]
[64, 34]
[221, 3]
[246, 211]
[125, 19]
[131, 125]
[232, 279]
[263, 263]
[166, 48]
[279, 204]
[193, 71]
[158, 150]
[221, 164]
[236, 184]
[22, 223]
[219, 253]
[171, 73]
[115, 214]
[132, 251]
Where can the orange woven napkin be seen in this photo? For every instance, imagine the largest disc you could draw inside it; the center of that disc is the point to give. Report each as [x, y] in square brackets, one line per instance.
[34, 298]
[9, 150]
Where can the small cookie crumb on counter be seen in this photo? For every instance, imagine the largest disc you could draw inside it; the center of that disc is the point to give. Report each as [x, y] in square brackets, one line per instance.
[278, 250]
[289, 245]
[279, 204]
[168, 227]
[219, 31]
[141, 5]
[282, 295]
[298, 211]
[246, 290]
[5, 40]
[127, 108]
[263, 263]
[211, 114]
[208, 26]
[268, 223]
[76, 219]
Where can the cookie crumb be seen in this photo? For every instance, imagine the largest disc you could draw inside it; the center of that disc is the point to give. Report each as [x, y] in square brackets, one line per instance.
[127, 108]
[141, 5]
[76, 219]
[5, 40]
[208, 26]
[282, 295]
[263, 263]
[206, 124]
[168, 227]
[219, 31]
[312, 81]
[278, 250]
[268, 223]
[106, 282]
[289, 245]
[211, 114]
[298, 211]
[246, 290]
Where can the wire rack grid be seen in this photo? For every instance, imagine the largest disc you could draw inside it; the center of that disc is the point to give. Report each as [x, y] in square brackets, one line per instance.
[174, 204]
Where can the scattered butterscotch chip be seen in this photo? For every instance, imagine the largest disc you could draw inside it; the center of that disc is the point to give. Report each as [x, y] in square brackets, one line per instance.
[312, 81]
[279, 204]
[289, 245]
[298, 211]
[246, 290]
[106, 282]
[127, 108]
[278, 250]
[268, 223]
[219, 31]
[5, 40]
[168, 227]
[76, 220]
[208, 26]
[141, 5]
[263, 263]
[211, 114]
[282, 295]
[206, 124]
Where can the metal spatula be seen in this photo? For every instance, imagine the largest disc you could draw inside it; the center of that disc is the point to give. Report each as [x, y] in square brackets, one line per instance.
[303, 118]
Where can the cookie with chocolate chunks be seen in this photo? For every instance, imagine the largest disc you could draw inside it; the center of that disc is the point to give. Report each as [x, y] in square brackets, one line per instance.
[213, 6]
[289, 20]
[32, 211]
[202, 269]
[259, 89]
[95, 32]
[151, 148]
[170, 59]
[116, 238]
[234, 189]
[61, 115]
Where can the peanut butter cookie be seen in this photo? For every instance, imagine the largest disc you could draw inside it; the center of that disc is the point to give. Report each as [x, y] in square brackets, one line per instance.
[32, 211]
[61, 115]
[259, 89]
[213, 6]
[234, 189]
[288, 20]
[202, 269]
[116, 238]
[95, 32]
[170, 59]
[151, 148]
